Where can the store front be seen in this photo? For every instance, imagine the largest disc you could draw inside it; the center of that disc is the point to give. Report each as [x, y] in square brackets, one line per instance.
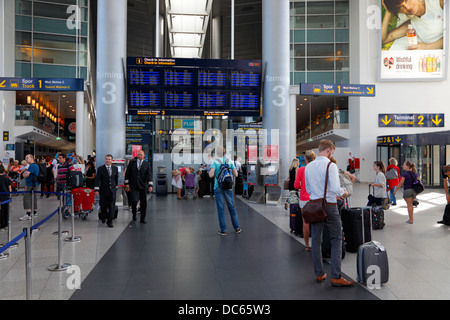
[429, 151]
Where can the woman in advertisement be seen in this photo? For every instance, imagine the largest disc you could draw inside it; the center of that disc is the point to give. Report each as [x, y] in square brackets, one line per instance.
[422, 19]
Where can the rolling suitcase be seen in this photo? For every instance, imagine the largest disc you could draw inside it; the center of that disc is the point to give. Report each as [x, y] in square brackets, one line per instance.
[295, 219]
[357, 227]
[372, 264]
[377, 213]
[83, 201]
[377, 217]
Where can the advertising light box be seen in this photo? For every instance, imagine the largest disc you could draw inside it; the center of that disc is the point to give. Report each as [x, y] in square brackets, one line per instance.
[413, 40]
[166, 86]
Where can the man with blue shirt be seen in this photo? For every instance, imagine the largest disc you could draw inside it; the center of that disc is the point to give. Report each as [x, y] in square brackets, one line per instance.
[31, 183]
[315, 175]
[224, 195]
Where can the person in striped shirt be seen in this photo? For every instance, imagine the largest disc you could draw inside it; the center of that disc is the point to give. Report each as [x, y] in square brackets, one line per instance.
[63, 173]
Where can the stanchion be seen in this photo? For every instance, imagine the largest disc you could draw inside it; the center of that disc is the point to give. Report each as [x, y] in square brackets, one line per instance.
[28, 261]
[59, 266]
[73, 238]
[65, 232]
[32, 208]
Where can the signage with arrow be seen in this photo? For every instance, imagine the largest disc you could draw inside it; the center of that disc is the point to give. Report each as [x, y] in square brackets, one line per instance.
[415, 120]
[356, 90]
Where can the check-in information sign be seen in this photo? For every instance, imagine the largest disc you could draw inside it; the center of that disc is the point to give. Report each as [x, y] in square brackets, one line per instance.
[416, 120]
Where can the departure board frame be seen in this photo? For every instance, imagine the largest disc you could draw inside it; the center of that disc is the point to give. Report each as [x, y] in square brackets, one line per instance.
[206, 87]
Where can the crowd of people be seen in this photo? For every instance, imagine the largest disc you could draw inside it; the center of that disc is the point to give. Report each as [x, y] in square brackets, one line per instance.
[308, 183]
[217, 178]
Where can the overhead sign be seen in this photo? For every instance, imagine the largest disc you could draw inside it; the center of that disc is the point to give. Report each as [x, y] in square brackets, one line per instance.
[418, 120]
[206, 87]
[41, 84]
[358, 90]
[387, 140]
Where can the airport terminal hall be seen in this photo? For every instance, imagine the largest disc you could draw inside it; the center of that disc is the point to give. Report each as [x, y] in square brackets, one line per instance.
[225, 157]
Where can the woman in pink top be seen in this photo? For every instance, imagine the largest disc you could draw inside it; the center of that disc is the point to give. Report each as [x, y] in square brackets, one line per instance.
[304, 196]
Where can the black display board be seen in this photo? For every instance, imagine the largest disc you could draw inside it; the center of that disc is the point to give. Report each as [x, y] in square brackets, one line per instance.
[166, 86]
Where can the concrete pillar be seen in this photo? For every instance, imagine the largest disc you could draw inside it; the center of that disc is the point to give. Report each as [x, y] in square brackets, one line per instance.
[111, 60]
[80, 121]
[216, 44]
[275, 15]
[7, 98]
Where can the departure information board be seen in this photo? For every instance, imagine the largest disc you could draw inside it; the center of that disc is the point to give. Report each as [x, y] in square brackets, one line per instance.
[179, 86]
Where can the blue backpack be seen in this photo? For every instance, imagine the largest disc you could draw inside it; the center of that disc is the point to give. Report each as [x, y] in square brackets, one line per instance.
[225, 176]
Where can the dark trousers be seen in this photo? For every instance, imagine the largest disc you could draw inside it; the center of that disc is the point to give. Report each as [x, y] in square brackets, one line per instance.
[136, 196]
[4, 214]
[107, 206]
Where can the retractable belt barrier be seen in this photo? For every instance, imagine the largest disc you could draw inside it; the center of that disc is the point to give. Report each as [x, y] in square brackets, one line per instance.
[27, 232]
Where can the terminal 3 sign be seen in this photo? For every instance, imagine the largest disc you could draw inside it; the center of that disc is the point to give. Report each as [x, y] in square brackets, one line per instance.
[420, 120]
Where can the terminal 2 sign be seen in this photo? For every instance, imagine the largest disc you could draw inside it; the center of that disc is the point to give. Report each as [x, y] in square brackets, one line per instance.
[420, 120]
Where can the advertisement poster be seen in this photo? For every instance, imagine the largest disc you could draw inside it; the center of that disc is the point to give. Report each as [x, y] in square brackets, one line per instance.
[413, 39]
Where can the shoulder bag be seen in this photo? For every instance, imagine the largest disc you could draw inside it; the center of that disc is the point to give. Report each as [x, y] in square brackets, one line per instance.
[417, 184]
[316, 210]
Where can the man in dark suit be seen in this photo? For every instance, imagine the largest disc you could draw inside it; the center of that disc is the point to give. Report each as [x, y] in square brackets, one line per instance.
[138, 180]
[106, 181]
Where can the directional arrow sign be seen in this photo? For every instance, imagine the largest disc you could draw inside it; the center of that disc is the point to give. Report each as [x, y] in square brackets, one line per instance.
[386, 120]
[416, 120]
[348, 90]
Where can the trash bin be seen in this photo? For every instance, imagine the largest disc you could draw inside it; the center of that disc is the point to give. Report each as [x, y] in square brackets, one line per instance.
[161, 181]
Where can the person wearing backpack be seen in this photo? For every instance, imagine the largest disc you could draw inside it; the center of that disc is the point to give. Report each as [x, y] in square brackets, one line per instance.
[223, 171]
[31, 183]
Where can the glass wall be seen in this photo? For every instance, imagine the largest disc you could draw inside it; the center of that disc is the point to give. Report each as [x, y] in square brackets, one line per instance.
[319, 42]
[50, 41]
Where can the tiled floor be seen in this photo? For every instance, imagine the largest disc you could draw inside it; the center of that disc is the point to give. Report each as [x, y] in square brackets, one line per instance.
[178, 255]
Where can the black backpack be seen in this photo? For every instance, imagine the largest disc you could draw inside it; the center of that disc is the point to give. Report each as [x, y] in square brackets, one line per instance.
[42, 177]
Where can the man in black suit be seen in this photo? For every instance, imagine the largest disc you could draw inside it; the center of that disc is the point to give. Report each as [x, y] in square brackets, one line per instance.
[138, 179]
[106, 181]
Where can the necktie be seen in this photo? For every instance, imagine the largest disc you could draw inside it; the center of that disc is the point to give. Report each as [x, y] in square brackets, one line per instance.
[109, 170]
[139, 164]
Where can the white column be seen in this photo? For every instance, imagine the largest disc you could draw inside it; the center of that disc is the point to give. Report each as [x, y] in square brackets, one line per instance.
[80, 119]
[111, 60]
[275, 15]
[7, 99]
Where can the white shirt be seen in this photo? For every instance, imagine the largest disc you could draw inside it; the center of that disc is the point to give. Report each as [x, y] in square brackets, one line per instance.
[315, 174]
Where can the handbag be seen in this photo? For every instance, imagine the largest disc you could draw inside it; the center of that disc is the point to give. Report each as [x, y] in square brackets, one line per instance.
[391, 174]
[417, 185]
[316, 210]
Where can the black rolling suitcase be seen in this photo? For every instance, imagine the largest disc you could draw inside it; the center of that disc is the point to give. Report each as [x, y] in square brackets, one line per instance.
[356, 224]
[377, 213]
[295, 219]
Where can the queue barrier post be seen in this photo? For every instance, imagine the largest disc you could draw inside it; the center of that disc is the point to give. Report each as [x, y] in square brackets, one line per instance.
[59, 266]
[28, 262]
[73, 238]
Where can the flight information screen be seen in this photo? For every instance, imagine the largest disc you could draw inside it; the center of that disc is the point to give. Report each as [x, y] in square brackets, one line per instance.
[194, 86]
